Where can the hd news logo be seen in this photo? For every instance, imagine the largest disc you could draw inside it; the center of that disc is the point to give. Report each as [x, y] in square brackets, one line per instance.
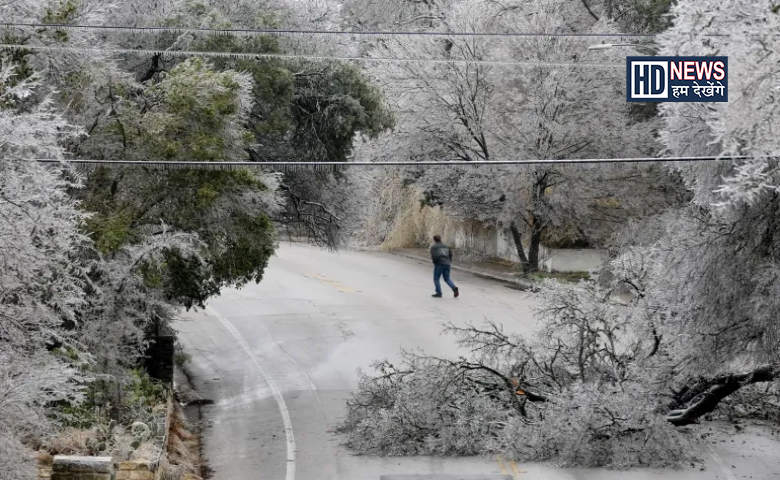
[677, 79]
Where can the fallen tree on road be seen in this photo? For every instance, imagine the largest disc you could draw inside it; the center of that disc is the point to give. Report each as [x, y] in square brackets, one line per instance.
[573, 394]
[589, 389]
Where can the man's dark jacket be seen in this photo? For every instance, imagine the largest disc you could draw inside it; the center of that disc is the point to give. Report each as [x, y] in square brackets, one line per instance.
[441, 254]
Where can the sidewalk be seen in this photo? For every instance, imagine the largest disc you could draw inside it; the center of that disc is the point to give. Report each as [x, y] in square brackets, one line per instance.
[501, 272]
[489, 270]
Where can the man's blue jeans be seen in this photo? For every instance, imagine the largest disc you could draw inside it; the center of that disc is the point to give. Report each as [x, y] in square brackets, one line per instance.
[442, 271]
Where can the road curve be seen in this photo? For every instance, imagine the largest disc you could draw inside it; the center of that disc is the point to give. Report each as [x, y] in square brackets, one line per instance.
[279, 360]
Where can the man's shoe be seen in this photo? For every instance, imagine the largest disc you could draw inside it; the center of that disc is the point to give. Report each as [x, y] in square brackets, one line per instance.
[436, 295]
[456, 292]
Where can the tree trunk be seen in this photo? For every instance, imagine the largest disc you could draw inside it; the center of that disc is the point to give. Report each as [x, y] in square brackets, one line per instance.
[519, 247]
[531, 261]
[536, 240]
[708, 393]
[155, 68]
[537, 222]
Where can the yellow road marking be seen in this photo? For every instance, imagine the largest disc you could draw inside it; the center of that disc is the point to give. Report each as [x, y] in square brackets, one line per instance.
[501, 464]
[332, 283]
[516, 473]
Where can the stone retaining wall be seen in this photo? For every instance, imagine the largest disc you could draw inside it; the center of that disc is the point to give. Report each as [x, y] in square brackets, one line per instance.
[97, 468]
[134, 470]
[65, 467]
[83, 468]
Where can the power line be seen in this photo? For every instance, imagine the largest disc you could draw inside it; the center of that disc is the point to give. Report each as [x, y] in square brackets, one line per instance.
[370, 33]
[194, 53]
[461, 163]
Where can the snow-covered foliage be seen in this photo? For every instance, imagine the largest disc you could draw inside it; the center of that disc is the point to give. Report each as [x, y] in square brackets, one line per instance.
[716, 268]
[94, 264]
[565, 108]
[41, 277]
[81, 291]
[125, 309]
[576, 394]
[76, 320]
[93, 267]
[748, 123]
[603, 384]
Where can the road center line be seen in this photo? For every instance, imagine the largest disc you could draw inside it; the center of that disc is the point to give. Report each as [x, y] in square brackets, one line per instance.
[332, 283]
[515, 471]
[501, 464]
[288, 429]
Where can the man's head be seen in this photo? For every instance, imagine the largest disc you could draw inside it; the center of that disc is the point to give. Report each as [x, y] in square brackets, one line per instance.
[437, 238]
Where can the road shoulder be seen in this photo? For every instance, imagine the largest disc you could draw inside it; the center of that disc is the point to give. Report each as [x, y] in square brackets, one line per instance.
[490, 274]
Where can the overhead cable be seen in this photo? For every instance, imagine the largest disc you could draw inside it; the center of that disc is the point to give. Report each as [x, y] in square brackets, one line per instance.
[198, 53]
[283, 32]
[460, 163]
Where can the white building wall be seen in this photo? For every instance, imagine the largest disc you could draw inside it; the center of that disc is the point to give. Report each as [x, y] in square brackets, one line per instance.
[551, 260]
[572, 259]
[505, 246]
[475, 237]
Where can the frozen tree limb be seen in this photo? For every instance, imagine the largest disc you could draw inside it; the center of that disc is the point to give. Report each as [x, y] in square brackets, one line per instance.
[704, 396]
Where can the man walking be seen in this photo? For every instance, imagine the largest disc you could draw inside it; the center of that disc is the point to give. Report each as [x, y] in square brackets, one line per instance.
[442, 260]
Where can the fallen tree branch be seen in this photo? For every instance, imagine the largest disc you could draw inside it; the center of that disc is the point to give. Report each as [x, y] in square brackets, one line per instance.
[708, 393]
[520, 394]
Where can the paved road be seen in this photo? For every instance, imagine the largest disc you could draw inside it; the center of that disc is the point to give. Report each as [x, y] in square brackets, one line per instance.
[280, 358]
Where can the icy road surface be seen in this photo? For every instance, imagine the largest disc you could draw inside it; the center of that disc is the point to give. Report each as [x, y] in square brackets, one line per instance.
[279, 360]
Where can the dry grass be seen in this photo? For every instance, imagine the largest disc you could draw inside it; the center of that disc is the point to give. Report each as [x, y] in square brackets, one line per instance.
[44, 458]
[70, 441]
[415, 225]
[181, 458]
[396, 218]
[166, 470]
[145, 451]
[183, 455]
[385, 197]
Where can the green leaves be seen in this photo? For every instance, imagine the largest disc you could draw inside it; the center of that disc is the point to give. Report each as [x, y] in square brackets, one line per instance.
[334, 104]
[58, 13]
[224, 207]
[193, 113]
[199, 114]
[186, 280]
[109, 230]
[245, 253]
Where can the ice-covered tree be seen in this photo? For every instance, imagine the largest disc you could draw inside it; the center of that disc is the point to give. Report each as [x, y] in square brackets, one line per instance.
[193, 113]
[467, 111]
[717, 265]
[41, 275]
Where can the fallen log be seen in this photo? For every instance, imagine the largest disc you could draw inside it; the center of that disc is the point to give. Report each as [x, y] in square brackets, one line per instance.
[704, 396]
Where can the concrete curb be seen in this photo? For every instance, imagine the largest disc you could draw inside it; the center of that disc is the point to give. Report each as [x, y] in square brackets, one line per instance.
[522, 284]
[185, 392]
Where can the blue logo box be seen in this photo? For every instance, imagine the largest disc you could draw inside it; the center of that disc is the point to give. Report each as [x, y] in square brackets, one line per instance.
[677, 79]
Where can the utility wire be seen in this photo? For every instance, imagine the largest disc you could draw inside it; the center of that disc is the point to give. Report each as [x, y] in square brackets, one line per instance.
[191, 53]
[261, 31]
[461, 163]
